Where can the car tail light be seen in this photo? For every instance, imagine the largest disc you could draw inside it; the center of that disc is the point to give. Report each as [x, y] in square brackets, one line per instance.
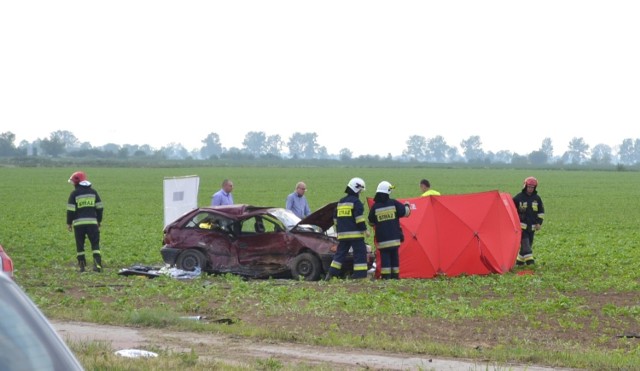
[166, 239]
[7, 265]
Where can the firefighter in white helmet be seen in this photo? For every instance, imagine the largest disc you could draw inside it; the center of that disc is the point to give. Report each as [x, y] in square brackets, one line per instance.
[385, 216]
[351, 229]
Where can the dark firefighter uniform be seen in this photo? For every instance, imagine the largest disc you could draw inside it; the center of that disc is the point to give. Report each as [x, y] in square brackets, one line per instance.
[385, 216]
[531, 213]
[84, 213]
[350, 226]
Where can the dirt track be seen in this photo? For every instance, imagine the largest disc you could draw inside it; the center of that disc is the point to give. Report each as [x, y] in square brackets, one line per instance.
[245, 351]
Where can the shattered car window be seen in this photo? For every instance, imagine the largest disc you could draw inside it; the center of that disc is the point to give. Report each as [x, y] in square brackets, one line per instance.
[261, 224]
[286, 217]
[196, 220]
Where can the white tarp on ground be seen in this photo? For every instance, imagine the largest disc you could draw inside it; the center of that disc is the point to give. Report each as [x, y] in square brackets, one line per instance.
[180, 196]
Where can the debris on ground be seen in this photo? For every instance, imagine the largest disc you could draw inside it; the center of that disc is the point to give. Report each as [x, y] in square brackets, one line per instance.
[136, 353]
[153, 272]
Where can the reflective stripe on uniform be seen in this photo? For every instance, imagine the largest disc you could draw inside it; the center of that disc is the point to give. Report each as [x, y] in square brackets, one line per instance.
[390, 243]
[523, 258]
[350, 234]
[85, 221]
[360, 267]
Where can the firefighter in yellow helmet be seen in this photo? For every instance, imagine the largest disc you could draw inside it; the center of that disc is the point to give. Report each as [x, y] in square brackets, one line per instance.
[531, 214]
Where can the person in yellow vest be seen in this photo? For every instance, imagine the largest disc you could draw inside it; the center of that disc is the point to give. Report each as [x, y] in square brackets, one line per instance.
[425, 186]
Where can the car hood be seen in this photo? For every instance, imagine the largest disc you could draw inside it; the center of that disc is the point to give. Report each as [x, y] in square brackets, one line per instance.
[323, 217]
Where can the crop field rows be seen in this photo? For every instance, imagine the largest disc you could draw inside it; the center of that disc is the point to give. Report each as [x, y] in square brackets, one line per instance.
[579, 306]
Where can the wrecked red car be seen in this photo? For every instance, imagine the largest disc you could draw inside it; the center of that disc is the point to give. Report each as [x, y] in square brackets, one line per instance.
[254, 241]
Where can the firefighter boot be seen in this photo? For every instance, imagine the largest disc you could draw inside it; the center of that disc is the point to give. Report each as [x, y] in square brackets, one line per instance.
[330, 274]
[333, 272]
[81, 265]
[97, 261]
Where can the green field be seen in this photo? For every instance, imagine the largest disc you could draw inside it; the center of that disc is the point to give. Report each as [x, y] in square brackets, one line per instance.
[577, 309]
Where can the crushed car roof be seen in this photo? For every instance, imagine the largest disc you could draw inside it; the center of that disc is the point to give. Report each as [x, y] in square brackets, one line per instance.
[322, 217]
[238, 210]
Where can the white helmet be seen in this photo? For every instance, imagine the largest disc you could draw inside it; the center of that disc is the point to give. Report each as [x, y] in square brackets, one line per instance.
[384, 187]
[356, 185]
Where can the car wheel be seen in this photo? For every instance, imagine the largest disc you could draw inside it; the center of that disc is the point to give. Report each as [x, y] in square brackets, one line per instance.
[189, 259]
[306, 266]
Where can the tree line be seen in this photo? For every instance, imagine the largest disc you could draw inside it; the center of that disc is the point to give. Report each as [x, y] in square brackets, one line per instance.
[257, 144]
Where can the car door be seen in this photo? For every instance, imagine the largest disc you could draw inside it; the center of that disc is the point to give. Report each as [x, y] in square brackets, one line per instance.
[262, 246]
[215, 237]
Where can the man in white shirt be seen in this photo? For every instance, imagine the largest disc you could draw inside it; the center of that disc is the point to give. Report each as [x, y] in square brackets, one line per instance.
[297, 202]
[223, 196]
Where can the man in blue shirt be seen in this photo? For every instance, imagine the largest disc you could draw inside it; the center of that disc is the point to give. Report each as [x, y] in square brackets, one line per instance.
[297, 202]
[223, 196]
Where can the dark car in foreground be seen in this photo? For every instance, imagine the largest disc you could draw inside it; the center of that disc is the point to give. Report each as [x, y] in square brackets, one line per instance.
[6, 264]
[27, 339]
[254, 241]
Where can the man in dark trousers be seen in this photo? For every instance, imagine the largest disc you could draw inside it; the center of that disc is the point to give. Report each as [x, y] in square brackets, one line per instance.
[531, 214]
[84, 215]
[351, 228]
[384, 215]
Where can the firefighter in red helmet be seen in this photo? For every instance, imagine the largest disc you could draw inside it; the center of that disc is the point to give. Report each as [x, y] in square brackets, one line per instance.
[531, 213]
[84, 215]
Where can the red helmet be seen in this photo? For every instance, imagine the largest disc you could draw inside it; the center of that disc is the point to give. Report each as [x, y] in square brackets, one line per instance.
[531, 181]
[77, 177]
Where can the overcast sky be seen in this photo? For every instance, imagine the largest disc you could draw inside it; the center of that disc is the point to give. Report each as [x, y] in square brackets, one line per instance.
[363, 75]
